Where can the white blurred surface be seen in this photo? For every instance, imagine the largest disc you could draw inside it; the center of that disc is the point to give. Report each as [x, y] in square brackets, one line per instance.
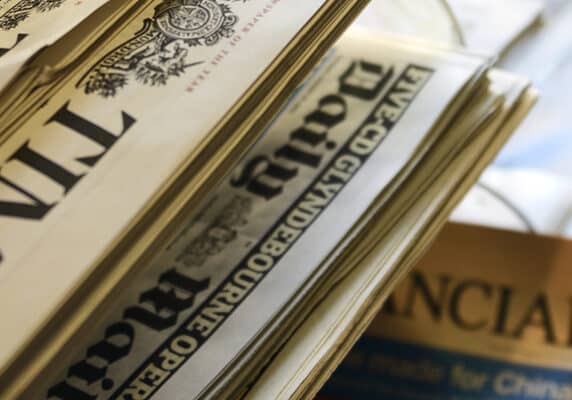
[491, 26]
[531, 182]
[544, 142]
[486, 26]
[426, 19]
[526, 200]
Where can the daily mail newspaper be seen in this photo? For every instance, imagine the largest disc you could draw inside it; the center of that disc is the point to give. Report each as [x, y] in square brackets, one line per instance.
[232, 270]
[28, 25]
[485, 315]
[83, 168]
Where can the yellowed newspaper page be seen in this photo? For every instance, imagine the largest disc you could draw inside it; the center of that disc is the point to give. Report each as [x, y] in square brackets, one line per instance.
[26, 26]
[83, 168]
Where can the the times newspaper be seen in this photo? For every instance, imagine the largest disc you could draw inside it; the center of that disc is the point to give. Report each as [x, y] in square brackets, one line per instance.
[104, 150]
[485, 315]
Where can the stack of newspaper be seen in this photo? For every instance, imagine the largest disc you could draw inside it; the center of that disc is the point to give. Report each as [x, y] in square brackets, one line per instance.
[149, 250]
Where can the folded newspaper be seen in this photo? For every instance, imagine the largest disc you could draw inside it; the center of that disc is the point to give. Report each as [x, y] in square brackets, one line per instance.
[39, 53]
[484, 315]
[118, 129]
[305, 361]
[26, 27]
[291, 254]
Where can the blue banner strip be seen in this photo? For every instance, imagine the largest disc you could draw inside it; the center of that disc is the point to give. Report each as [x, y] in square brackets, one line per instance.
[385, 369]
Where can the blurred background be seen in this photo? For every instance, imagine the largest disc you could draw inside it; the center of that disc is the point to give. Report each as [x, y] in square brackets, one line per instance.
[529, 187]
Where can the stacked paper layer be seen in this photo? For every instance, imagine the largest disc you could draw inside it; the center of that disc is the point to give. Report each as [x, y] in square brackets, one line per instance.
[190, 218]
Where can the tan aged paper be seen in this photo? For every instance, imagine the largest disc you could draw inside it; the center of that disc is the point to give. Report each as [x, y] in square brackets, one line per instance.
[26, 26]
[268, 231]
[120, 132]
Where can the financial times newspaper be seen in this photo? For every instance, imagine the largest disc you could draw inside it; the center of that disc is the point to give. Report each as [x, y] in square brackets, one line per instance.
[485, 315]
[341, 140]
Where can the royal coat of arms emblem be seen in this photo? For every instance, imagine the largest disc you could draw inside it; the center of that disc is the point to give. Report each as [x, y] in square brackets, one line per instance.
[161, 49]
